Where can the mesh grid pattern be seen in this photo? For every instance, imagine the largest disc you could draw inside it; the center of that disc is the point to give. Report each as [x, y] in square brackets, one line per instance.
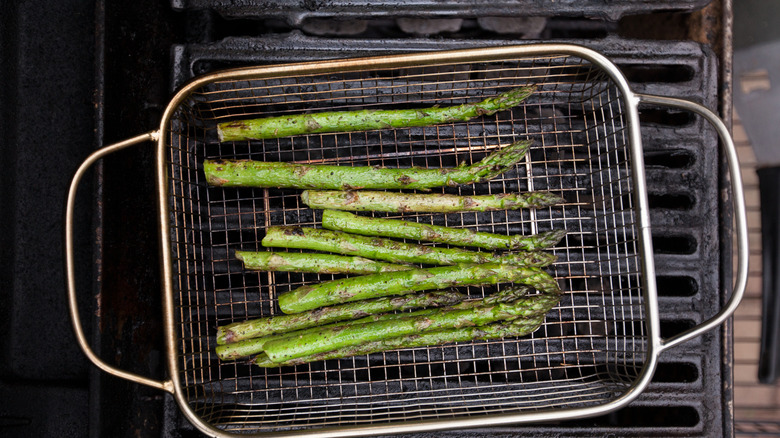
[591, 347]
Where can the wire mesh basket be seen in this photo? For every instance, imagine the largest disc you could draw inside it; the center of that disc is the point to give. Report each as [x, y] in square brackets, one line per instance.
[594, 353]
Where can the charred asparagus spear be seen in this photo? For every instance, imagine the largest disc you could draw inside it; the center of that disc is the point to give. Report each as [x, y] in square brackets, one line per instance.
[369, 226]
[364, 120]
[391, 250]
[364, 287]
[430, 203]
[314, 263]
[336, 336]
[287, 323]
[514, 328]
[248, 346]
[248, 173]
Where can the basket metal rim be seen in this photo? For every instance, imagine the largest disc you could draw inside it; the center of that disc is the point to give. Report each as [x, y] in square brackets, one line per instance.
[631, 101]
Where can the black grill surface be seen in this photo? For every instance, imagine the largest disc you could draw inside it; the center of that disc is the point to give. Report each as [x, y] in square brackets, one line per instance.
[296, 11]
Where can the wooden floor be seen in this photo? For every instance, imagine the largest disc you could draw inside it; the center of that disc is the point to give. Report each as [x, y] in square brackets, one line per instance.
[757, 406]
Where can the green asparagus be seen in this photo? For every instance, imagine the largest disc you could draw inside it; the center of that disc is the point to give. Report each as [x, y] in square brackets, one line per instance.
[364, 120]
[314, 263]
[391, 250]
[246, 347]
[248, 173]
[286, 323]
[514, 328]
[431, 203]
[368, 226]
[344, 290]
[340, 336]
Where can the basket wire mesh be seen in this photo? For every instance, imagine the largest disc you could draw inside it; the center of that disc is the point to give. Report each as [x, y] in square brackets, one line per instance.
[592, 346]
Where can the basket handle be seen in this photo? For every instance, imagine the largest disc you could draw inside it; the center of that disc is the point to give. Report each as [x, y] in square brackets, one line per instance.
[738, 199]
[70, 269]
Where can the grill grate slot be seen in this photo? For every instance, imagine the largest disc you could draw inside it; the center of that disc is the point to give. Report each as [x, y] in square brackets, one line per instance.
[677, 286]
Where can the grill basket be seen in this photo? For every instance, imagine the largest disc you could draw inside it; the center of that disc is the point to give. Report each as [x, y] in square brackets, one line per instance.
[596, 350]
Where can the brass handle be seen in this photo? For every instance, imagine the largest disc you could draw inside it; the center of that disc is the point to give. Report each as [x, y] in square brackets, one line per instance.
[166, 385]
[738, 199]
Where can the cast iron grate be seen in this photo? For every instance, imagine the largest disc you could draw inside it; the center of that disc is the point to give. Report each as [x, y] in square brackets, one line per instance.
[296, 11]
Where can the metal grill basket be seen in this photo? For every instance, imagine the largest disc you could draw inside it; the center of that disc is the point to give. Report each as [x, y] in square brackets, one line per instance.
[596, 350]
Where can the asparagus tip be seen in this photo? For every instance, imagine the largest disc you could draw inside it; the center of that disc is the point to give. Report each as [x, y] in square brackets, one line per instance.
[515, 95]
[553, 237]
[500, 161]
[544, 199]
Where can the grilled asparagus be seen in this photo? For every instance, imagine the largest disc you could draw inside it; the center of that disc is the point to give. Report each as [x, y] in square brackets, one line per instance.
[514, 328]
[249, 173]
[368, 226]
[287, 323]
[429, 203]
[336, 336]
[391, 250]
[243, 344]
[364, 120]
[314, 263]
[344, 290]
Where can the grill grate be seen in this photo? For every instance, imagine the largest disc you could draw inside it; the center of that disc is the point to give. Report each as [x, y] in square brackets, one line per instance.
[589, 351]
[295, 11]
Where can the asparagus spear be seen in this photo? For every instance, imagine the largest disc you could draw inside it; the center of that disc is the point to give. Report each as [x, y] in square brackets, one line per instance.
[287, 323]
[391, 250]
[248, 173]
[432, 203]
[247, 347]
[368, 226]
[364, 120]
[340, 336]
[315, 263]
[343, 290]
[243, 348]
[514, 328]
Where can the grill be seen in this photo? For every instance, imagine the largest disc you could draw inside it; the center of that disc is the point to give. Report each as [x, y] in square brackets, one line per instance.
[686, 261]
[596, 355]
[690, 393]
